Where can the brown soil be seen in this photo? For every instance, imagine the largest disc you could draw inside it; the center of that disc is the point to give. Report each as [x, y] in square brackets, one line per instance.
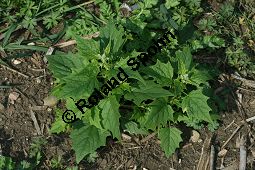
[17, 130]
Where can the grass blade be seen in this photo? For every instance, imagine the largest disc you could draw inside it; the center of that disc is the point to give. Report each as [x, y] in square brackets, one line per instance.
[8, 34]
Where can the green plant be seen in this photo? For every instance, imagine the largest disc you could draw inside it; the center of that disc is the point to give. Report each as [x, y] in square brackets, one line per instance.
[35, 149]
[6, 163]
[171, 89]
[167, 90]
[34, 155]
[236, 27]
[56, 163]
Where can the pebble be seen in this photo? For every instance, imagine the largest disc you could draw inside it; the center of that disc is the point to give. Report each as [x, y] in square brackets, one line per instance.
[50, 101]
[195, 136]
[1, 107]
[222, 153]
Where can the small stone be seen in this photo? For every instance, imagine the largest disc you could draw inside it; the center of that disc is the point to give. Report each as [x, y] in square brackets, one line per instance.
[222, 153]
[13, 96]
[200, 140]
[195, 136]
[1, 107]
[16, 62]
[50, 101]
[32, 43]
[38, 81]
[253, 152]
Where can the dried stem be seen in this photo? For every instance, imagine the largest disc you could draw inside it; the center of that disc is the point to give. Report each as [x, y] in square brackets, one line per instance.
[212, 158]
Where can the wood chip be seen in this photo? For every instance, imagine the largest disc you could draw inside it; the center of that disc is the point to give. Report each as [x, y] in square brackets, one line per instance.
[126, 137]
[222, 153]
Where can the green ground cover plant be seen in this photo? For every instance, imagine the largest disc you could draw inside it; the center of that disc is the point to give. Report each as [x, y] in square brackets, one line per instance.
[35, 160]
[170, 90]
[235, 22]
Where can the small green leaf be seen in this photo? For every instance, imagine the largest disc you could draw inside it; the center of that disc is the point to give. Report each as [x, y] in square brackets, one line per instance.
[150, 3]
[170, 139]
[196, 103]
[132, 128]
[59, 125]
[86, 140]
[171, 3]
[159, 114]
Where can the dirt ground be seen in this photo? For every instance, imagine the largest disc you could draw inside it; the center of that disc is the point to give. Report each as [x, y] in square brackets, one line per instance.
[32, 83]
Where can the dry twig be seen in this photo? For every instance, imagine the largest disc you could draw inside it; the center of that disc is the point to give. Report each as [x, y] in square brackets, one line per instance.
[245, 82]
[212, 158]
[250, 119]
[205, 154]
[148, 137]
[35, 122]
[72, 42]
[15, 71]
[243, 153]
[232, 135]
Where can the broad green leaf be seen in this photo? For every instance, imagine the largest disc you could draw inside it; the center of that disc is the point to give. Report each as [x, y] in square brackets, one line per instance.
[59, 125]
[86, 140]
[81, 84]
[159, 114]
[163, 73]
[200, 76]
[111, 34]
[135, 75]
[170, 139]
[132, 128]
[88, 48]
[110, 114]
[62, 65]
[178, 87]
[145, 92]
[184, 59]
[196, 103]
[93, 117]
